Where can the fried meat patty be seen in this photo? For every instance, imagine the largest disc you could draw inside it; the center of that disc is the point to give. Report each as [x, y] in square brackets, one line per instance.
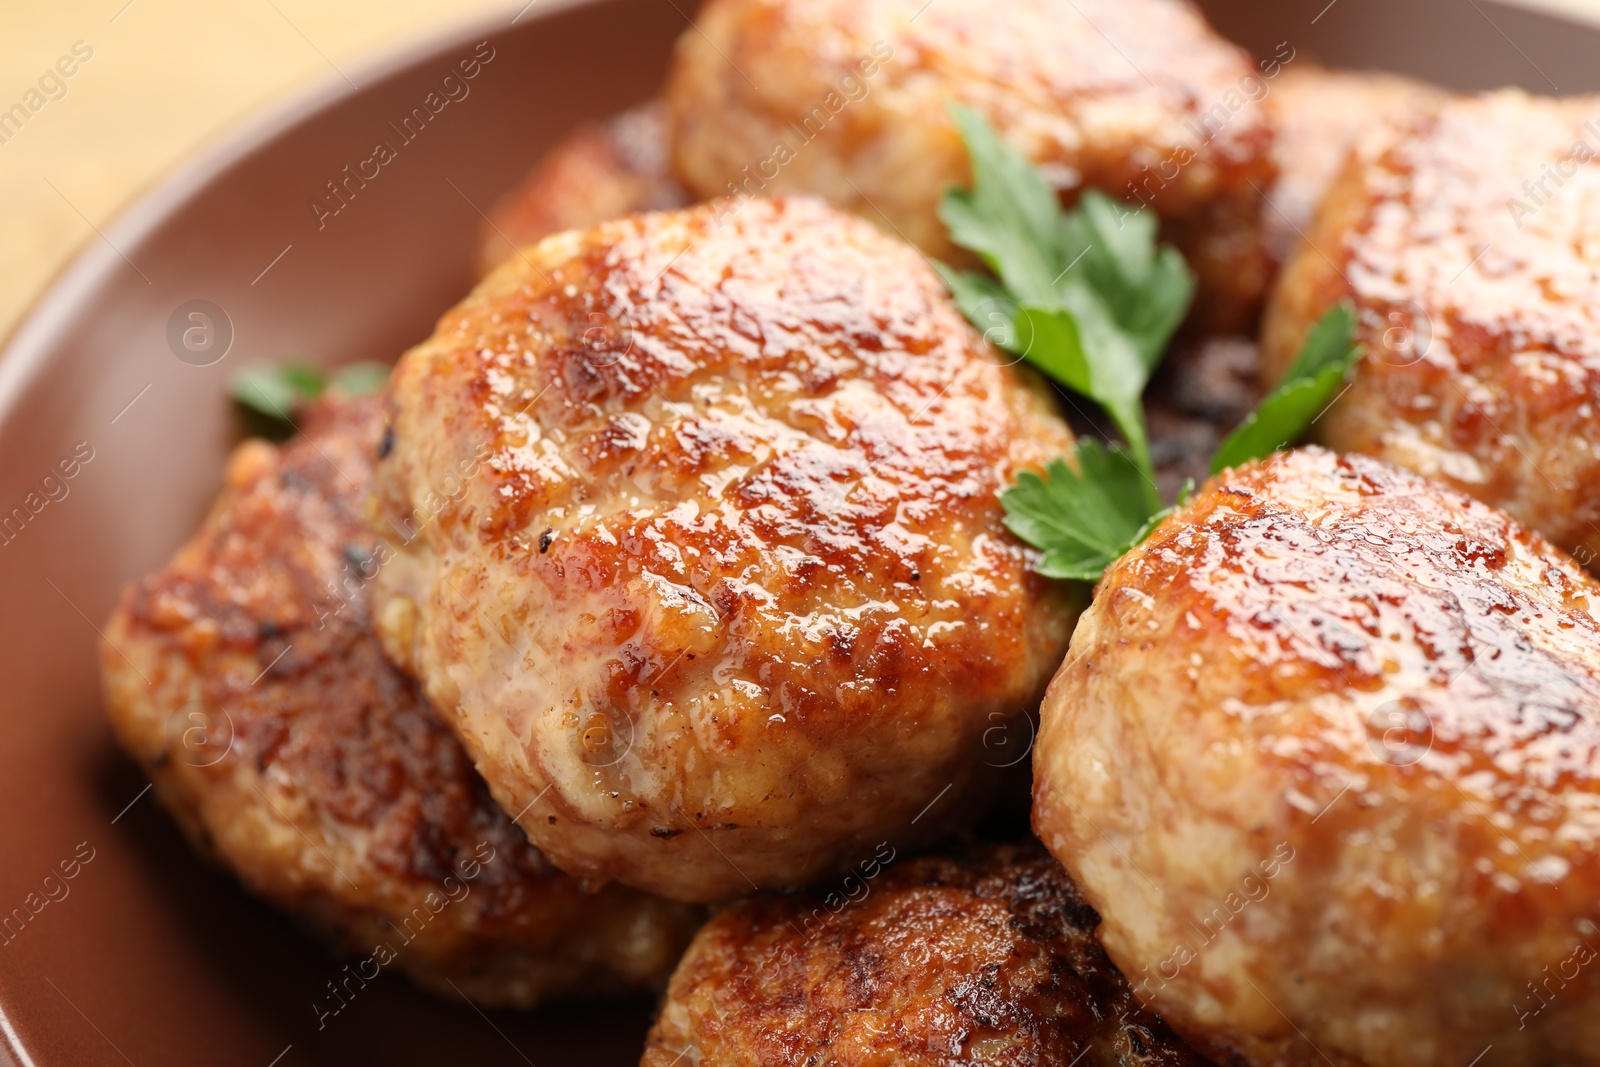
[849, 100]
[1469, 241]
[699, 551]
[619, 167]
[601, 171]
[1321, 113]
[1325, 757]
[244, 679]
[986, 955]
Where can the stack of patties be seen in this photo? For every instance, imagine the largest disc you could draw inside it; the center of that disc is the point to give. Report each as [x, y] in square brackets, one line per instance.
[683, 534]
[671, 572]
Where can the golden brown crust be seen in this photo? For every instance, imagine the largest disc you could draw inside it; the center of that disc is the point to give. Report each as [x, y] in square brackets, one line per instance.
[1321, 113]
[1479, 307]
[708, 528]
[603, 170]
[293, 754]
[848, 100]
[985, 955]
[1325, 755]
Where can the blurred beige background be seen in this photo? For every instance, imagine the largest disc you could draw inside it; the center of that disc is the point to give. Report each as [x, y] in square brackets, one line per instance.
[167, 76]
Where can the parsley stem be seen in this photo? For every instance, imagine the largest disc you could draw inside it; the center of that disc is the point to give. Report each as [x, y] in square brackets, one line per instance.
[1129, 418]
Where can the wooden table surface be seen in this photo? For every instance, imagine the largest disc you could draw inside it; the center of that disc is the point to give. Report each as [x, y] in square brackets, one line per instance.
[161, 79]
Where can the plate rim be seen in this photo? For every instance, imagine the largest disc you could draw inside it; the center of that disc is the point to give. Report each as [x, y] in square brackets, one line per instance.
[30, 339]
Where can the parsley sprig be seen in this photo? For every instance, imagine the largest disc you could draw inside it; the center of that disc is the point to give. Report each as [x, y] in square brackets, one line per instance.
[1089, 297]
[269, 394]
[275, 390]
[1083, 519]
[1086, 296]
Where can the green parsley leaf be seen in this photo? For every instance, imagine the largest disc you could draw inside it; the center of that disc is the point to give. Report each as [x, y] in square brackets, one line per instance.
[986, 304]
[1288, 411]
[1084, 519]
[276, 390]
[360, 378]
[1059, 342]
[1011, 217]
[1091, 298]
[1145, 289]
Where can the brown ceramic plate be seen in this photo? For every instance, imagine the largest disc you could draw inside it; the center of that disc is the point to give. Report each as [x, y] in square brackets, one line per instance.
[149, 956]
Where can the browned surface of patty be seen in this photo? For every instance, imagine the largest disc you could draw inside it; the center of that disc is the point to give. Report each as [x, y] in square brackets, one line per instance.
[987, 956]
[603, 170]
[1325, 756]
[1321, 113]
[1479, 303]
[244, 679]
[849, 100]
[699, 548]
